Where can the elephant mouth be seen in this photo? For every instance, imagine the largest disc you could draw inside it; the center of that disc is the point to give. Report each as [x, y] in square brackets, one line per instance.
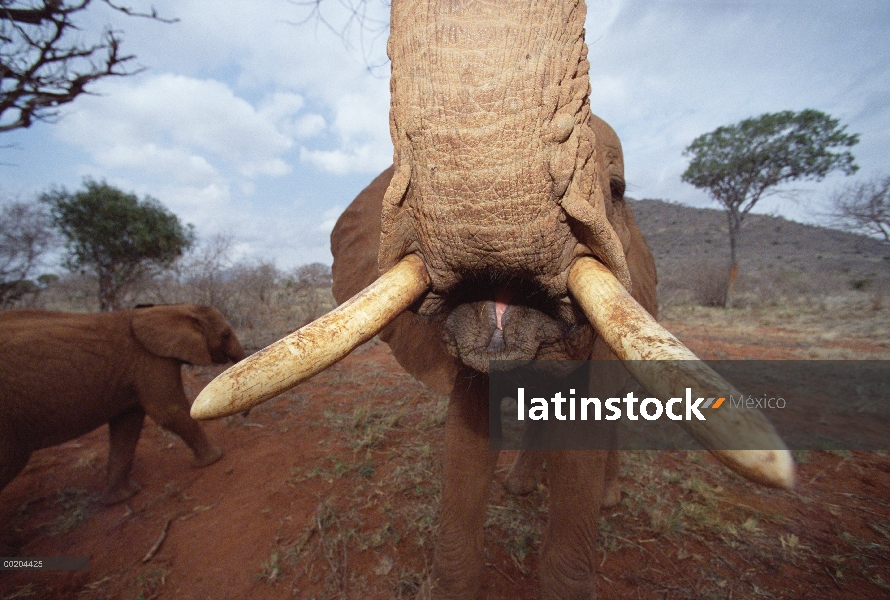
[656, 359]
[486, 319]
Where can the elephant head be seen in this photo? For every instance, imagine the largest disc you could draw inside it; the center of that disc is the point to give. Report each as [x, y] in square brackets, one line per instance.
[194, 334]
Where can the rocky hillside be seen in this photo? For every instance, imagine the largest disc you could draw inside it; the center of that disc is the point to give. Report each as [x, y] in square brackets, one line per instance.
[777, 258]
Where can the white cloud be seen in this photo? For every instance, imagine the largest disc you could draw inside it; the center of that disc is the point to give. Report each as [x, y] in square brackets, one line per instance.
[329, 219]
[308, 126]
[169, 114]
[363, 158]
[364, 140]
[281, 105]
[154, 160]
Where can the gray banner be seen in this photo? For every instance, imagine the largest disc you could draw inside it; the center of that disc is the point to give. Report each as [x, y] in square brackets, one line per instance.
[51, 563]
[813, 405]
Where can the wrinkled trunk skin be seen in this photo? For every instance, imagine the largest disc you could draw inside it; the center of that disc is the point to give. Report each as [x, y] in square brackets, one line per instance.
[494, 153]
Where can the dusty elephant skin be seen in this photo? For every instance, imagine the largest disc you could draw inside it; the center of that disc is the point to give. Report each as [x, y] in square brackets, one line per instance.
[65, 374]
[505, 193]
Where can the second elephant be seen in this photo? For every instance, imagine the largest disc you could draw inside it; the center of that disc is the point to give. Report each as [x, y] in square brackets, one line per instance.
[63, 375]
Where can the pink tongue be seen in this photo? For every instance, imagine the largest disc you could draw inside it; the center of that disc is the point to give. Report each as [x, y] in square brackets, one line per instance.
[501, 302]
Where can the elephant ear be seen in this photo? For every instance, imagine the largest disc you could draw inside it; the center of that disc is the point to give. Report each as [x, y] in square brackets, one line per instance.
[172, 332]
[639, 260]
[355, 243]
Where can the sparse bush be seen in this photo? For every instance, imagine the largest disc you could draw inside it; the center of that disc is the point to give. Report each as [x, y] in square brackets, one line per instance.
[864, 207]
[259, 300]
[704, 285]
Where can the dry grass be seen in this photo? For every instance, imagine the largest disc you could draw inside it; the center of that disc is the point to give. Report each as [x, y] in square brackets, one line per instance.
[837, 327]
[76, 505]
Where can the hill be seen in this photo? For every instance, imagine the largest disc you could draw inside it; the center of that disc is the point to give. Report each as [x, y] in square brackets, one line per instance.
[778, 259]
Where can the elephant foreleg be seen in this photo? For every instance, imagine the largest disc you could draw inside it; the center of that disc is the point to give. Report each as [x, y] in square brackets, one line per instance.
[612, 487]
[523, 476]
[468, 470]
[168, 406]
[123, 434]
[568, 558]
[13, 457]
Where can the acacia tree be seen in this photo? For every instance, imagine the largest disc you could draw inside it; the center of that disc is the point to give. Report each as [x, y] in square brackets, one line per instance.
[25, 237]
[864, 208]
[740, 164]
[116, 236]
[44, 62]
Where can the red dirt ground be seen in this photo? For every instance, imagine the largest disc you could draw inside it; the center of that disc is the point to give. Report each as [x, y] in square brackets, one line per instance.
[316, 498]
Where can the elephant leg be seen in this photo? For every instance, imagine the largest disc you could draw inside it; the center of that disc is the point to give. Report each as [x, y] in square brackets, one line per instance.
[123, 434]
[468, 470]
[13, 458]
[523, 476]
[168, 406]
[568, 558]
[612, 487]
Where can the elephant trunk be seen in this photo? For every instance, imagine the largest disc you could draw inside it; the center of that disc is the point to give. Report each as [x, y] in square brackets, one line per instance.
[495, 167]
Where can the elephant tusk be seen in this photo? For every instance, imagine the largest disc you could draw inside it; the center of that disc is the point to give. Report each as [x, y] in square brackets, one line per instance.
[316, 346]
[665, 367]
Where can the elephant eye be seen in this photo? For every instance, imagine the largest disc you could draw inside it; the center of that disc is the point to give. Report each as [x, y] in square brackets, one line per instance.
[617, 186]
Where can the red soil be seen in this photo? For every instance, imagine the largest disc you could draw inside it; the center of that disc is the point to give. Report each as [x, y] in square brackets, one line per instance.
[313, 499]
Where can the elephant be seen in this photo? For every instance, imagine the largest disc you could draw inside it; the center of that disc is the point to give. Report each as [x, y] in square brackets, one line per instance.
[63, 375]
[500, 233]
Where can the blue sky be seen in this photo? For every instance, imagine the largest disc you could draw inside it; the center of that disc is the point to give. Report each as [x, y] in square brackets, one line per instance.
[245, 123]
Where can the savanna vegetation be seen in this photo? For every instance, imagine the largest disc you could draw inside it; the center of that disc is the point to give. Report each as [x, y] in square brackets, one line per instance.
[100, 248]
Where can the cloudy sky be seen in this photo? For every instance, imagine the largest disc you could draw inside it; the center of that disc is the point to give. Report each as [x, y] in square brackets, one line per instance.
[247, 123]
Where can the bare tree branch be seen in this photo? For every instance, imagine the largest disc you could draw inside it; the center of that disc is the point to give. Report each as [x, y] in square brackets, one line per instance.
[864, 208]
[356, 15]
[25, 237]
[43, 65]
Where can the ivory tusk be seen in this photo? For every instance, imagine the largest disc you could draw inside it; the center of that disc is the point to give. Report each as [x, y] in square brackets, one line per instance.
[665, 367]
[316, 346]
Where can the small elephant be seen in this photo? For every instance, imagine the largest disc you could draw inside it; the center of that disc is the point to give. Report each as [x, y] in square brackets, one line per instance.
[63, 375]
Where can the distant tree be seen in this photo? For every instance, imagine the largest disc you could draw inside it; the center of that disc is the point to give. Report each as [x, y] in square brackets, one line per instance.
[256, 281]
[203, 270]
[311, 275]
[26, 236]
[864, 208]
[740, 164]
[44, 61]
[116, 236]
[309, 288]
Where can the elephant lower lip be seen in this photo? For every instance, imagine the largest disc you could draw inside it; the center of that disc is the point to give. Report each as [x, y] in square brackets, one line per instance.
[497, 341]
